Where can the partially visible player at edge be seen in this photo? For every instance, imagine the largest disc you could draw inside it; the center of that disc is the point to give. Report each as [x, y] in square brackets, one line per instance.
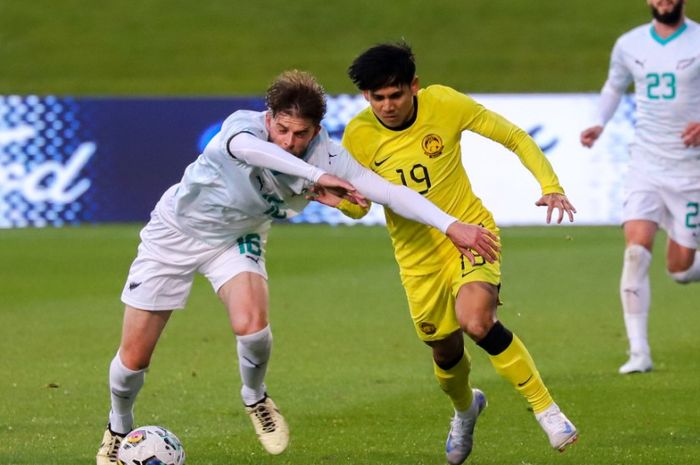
[411, 136]
[261, 166]
[662, 188]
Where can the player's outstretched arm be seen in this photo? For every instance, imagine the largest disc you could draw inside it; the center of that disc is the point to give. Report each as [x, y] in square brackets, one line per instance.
[470, 238]
[257, 152]
[691, 135]
[560, 202]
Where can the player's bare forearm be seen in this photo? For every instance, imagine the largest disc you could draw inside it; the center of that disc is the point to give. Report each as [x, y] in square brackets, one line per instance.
[470, 239]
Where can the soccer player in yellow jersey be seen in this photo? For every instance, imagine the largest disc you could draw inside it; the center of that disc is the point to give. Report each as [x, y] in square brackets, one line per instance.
[411, 136]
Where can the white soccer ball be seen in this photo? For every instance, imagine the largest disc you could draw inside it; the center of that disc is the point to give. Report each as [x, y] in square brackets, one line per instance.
[151, 445]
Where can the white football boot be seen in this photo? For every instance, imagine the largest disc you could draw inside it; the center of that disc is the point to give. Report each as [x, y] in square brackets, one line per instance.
[461, 436]
[560, 431]
[639, 362]
[107, 453]
[269, 425]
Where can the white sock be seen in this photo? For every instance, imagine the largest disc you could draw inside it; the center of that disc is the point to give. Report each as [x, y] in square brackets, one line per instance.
[691, 274]
[253, 354]
[124, 386]
[635, 293]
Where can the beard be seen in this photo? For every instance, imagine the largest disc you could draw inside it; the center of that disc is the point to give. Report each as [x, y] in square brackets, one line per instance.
[670, 18]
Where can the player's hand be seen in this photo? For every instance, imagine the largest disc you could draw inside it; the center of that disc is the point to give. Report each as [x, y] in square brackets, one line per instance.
[325, 195]
[560, 201]
[691, 135]
[342, 189]
[470, 239]
[590, 135]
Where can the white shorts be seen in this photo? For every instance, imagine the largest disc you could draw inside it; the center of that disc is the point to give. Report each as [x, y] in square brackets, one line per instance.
[672, 202]
[160, 278]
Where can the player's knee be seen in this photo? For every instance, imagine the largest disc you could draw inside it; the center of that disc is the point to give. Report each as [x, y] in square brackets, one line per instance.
[248, 326]
[477, 329]
[636, 255]
[249, 321]
[636, 265]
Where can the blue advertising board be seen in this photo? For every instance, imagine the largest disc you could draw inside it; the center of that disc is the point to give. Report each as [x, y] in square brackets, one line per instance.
[73, 160]
[67, 161]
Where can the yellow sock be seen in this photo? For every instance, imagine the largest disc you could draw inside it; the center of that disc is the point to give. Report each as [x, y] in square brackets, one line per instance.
[516, 365]
[455, 382]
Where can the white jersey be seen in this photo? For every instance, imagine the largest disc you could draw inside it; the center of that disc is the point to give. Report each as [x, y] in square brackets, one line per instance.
[224, 194]
[666, 76]
[219, 197]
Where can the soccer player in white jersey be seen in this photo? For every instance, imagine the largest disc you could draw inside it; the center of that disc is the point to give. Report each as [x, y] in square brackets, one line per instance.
[662, 188]
[259, 167]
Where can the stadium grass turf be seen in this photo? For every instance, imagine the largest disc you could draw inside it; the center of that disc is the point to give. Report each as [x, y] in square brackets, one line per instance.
[219, 47]
[347, 369]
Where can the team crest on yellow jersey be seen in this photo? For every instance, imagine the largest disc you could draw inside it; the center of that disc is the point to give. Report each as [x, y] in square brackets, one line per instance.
[432, 145]
[427, 328]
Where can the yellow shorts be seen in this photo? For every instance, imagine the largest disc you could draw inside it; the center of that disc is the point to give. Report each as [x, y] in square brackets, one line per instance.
[431, 297]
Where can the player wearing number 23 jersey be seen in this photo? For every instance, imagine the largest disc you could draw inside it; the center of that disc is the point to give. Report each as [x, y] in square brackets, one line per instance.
[666, 77]
[662, 185]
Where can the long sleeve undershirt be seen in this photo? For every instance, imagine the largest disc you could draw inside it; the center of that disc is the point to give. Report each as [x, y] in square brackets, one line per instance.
[257, 152]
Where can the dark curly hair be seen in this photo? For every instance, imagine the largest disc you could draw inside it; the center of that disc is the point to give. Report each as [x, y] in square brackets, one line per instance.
[383, 65]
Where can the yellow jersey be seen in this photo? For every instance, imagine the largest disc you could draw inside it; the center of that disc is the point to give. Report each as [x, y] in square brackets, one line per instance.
[427, 157]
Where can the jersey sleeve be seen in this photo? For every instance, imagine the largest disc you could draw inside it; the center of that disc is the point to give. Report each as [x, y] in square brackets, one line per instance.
[352, 210]
[497, 128]
[619, 76]
[253, 151]
[619, 79]
[402, 200]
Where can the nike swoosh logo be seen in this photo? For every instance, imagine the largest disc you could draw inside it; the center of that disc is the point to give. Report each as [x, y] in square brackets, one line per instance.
[524, 382]
[380, 163]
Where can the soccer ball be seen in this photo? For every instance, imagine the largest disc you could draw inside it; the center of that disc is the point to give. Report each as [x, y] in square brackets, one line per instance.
[151, 445]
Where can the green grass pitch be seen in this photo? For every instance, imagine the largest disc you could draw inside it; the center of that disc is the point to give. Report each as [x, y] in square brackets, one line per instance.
[347, 369]
[236, 47]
